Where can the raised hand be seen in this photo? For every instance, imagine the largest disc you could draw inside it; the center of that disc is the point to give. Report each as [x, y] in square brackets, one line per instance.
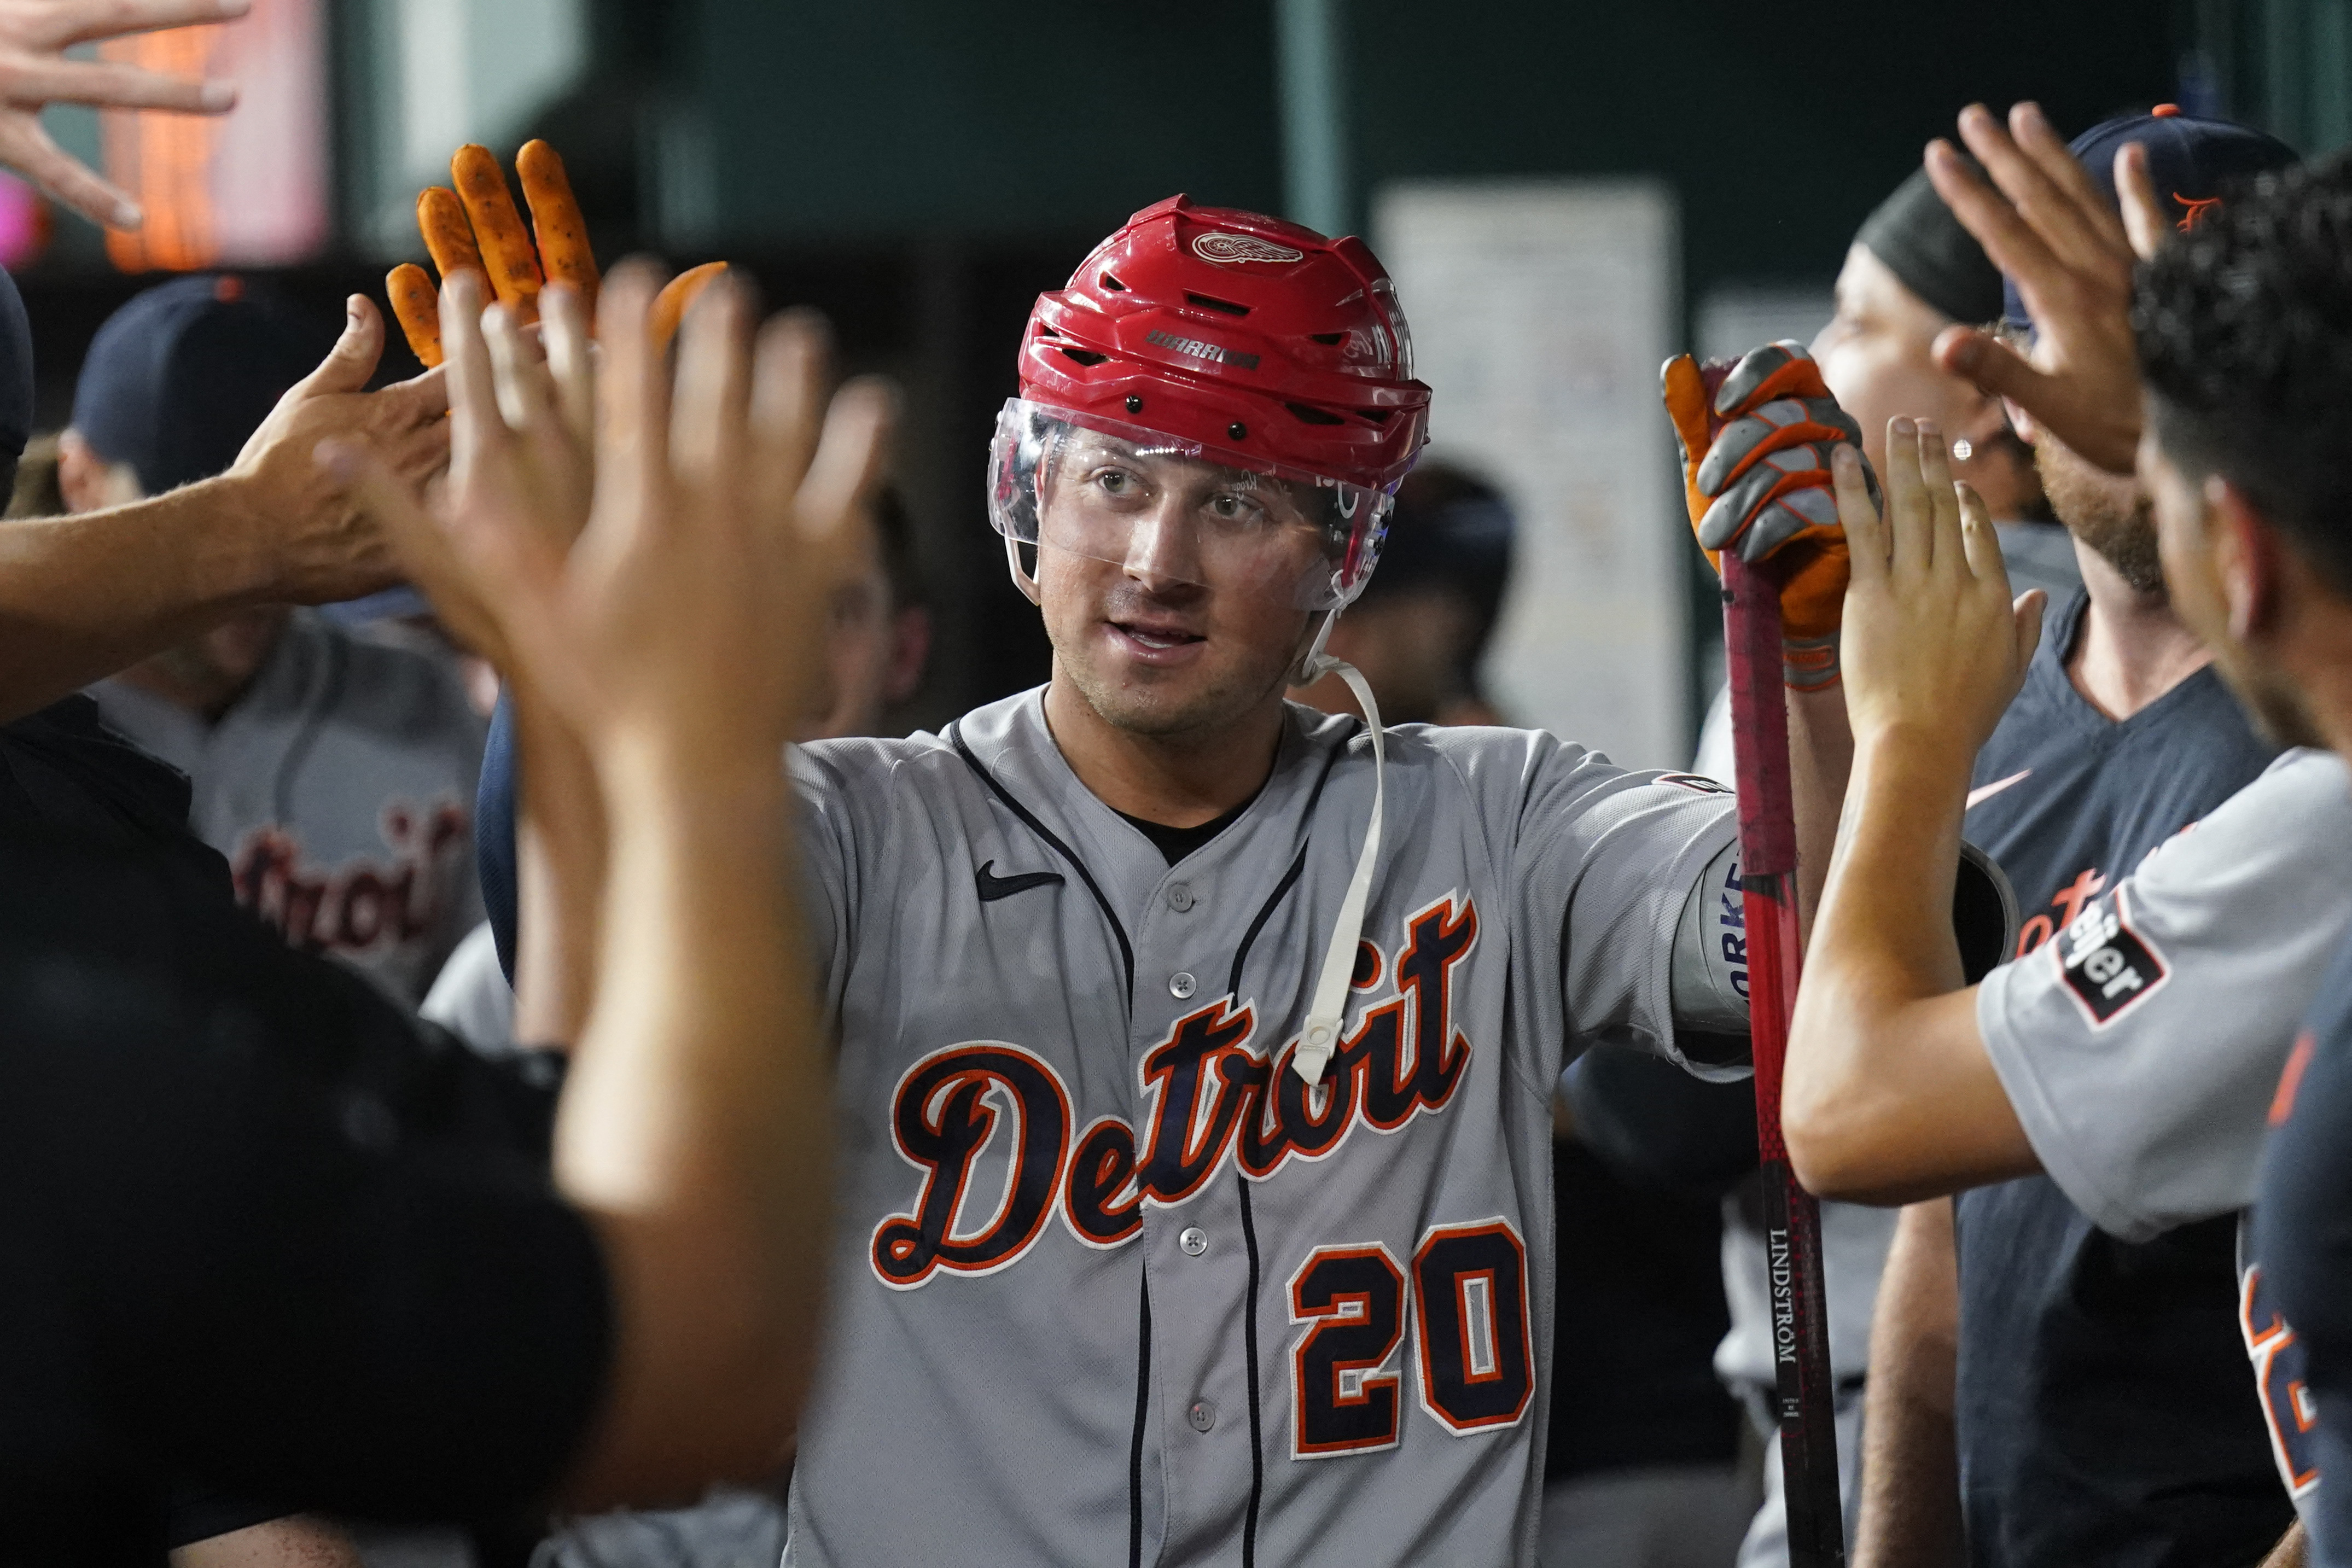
[34, 72]
[1933, 647]
[476, 228]
[318, 543]
[2049, 228]
[662, 584]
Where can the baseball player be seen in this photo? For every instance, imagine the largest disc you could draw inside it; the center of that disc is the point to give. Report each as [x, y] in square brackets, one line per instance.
[337, 774]
[1196, 1050]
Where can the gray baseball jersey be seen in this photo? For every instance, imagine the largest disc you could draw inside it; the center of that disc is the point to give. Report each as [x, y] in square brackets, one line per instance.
[2142, 1046]
[340, 787]
[1111, 1283]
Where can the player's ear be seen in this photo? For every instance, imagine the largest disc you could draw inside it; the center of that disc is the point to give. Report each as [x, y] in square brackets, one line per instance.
[2248, 559]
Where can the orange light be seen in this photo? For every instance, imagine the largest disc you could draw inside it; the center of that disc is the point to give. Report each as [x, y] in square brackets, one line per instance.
[163, 160]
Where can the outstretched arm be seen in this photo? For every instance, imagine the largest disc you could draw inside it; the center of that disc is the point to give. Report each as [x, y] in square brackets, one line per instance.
[1889, 1093]
[84, 596]
[674, 637]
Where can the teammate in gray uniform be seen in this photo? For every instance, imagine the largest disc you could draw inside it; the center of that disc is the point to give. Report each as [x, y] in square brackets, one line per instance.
[336, 774]
[1197, 1051]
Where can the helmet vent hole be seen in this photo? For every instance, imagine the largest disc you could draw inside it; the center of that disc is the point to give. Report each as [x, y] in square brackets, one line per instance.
[1209, 302]
[1113, 284]
[1330, 339]
[1376, 416]
[1086, 357]
[1308, 413]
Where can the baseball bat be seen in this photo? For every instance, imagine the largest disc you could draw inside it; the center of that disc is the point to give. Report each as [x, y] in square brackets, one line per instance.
[1792, 1219]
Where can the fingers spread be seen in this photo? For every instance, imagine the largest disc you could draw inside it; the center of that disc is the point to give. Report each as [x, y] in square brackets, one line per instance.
[2091, 224]
[2010, 242]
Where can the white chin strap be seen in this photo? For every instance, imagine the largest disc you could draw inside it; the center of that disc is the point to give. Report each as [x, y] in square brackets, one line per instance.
[1329, 1010]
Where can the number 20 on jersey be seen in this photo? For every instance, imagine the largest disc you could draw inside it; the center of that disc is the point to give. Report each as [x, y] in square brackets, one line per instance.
[1466, 1299]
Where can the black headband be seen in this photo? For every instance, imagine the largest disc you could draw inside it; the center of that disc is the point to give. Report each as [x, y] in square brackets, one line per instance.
[1924, 246]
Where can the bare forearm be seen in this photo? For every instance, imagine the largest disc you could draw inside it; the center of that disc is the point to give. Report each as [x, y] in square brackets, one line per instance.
[559, 835]
[1889, 1094]
[1910, 1514]
[84, 596]
[297, 1542]
[695, 1126]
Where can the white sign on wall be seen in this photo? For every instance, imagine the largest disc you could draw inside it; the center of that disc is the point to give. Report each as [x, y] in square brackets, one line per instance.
[1540, 313]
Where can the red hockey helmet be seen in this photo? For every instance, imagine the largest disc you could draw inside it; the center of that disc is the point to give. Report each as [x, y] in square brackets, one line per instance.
[1237, 342]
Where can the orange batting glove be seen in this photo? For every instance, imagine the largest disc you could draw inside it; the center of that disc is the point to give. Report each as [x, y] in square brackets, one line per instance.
[1756, 441]
[476, 228]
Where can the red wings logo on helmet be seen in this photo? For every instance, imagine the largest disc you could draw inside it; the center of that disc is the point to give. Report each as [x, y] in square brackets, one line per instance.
[1224, 247]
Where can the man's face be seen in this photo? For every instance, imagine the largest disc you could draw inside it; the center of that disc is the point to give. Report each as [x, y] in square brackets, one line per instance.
[2108, 512]
[1170, 586]
[1875, 356]
[2187, 541]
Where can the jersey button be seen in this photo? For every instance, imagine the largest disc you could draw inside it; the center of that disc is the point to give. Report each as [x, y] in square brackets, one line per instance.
[1194, 1241]
[1179, 896]
[1203, 1415]
[1181, 984]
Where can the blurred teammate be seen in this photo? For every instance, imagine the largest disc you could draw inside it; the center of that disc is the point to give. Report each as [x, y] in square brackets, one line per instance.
[2245, 334]
[1420, 630]
[266, 1233]
[2072, 1422]
[336, 774]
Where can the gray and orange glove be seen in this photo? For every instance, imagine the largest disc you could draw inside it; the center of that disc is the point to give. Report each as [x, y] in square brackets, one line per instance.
[1756, 441]
[476, 226]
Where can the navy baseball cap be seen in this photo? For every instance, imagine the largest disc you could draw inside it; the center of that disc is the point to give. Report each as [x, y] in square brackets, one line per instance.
[2194, 163]
[179, 378]
[15, 382]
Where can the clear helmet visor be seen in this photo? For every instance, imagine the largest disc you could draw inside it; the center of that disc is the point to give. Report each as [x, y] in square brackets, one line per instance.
[1166, 508]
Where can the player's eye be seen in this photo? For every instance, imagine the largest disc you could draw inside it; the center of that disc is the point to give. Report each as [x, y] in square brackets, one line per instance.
[1232, 506]
[1117, 483]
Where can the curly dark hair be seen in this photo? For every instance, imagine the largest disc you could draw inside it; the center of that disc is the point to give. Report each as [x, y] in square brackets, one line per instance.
[2245, 343]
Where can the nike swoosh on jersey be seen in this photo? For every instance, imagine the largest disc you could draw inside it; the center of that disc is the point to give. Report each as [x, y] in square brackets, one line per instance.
[1987, 791]
[993, 887]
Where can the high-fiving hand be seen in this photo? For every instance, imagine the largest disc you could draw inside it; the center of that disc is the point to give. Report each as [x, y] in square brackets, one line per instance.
[2045, 224]
[34, 72]
[659, 580]
[1935, 648]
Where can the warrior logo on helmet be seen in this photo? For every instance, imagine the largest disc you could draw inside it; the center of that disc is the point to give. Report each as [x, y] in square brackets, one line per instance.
[1224, 247]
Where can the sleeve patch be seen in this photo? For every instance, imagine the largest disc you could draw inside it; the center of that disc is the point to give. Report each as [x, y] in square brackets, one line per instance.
[2109, 967]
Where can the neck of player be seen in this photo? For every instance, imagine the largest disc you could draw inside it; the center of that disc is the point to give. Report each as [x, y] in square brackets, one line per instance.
[1180, 779]
[2132, 648]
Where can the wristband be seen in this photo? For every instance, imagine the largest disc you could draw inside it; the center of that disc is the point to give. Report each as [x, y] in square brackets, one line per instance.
[1809, 663]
